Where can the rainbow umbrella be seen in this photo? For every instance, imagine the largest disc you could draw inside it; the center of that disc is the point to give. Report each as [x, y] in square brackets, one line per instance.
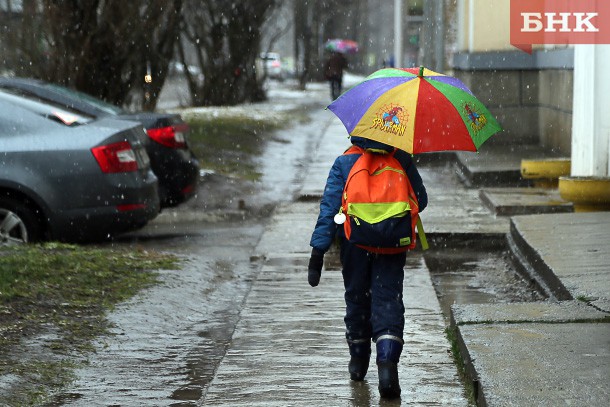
[416, 110]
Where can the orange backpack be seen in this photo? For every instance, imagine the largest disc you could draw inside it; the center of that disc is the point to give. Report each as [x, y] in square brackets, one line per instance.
[380, 205]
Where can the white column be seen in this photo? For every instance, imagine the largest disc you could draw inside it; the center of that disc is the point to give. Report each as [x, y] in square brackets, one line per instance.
[471, 26]
[398, 33]
[461, 26]
[591, 111]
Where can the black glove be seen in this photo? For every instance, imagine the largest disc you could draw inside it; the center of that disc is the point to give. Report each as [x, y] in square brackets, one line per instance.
[315, 267]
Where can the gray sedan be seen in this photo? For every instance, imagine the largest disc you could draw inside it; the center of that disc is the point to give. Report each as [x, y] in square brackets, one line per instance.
[68, 177]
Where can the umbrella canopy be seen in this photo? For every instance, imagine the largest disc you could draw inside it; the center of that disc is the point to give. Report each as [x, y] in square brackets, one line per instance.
[341, 45]
[416, 110]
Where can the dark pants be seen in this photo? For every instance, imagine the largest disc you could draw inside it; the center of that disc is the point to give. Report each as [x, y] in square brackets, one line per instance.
[373, 293]
[336, 83]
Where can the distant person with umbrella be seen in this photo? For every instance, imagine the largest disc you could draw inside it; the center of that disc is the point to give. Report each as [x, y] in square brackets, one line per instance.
[337, 63]
[333, 71]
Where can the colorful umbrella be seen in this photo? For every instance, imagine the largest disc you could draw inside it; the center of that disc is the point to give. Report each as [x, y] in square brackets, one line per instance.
[342, 45]
[416, 110]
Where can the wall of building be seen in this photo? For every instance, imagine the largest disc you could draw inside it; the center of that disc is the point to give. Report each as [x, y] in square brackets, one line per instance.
[508, 96]
[483, 25]
[530, 95]
[555, 88]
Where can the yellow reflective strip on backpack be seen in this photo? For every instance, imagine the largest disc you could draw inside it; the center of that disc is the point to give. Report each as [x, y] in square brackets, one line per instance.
[373, 212]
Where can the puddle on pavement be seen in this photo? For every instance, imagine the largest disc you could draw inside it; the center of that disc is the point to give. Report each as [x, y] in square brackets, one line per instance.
[202, 362]
[476, 271]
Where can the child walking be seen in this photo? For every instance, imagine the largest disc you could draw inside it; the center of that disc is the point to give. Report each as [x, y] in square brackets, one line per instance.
[373, 282]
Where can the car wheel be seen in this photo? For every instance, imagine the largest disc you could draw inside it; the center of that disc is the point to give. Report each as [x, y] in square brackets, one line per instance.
[18, 223]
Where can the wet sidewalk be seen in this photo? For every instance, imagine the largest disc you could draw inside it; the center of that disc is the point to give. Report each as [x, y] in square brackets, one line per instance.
[305, 362]
[555, 352]
[552, 353]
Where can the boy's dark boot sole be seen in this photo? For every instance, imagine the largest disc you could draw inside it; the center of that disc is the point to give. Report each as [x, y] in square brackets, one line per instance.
[357, 368]
[388, 380]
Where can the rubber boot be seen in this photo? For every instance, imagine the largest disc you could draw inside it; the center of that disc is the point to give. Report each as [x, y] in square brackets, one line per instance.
[389, 349]
[360, 352]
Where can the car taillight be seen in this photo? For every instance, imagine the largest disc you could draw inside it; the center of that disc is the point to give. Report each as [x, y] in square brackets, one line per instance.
[116, 157]
[170, 136]
[130, 207]
[188, 189]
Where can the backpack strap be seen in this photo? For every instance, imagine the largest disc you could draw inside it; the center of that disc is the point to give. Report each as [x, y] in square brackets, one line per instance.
[421, 234]
[354, 150]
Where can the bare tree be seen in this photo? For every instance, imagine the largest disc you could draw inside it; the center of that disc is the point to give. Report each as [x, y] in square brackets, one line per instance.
[277, 25]
[102, 47]
[225, 37]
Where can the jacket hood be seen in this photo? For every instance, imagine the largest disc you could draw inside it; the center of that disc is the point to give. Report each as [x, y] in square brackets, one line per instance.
[366, 143]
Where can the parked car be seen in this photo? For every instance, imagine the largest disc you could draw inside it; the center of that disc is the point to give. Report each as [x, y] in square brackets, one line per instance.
[171, 158]
[273, 65]
[70, 177]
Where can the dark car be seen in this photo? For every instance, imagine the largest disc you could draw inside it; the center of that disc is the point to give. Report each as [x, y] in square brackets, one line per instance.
[171, 158]
[70, 177]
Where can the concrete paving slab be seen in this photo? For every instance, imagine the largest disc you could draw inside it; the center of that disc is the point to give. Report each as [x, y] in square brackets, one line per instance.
[305, 363]
[290, 228]
[538, 364]
[545, 312]
[422, 296]
[524, 201]
[332, 145]
[601, 303]
[496, 165]
[459, 211]
[588, 287]
[567, 252]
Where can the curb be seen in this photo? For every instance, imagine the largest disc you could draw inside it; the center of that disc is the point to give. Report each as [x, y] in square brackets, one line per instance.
[530, 265]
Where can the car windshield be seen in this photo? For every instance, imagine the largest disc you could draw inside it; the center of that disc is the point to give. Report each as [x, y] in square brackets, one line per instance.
[100, 104]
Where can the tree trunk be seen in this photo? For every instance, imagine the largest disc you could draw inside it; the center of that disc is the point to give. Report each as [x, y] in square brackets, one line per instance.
[100, 48]
[226, 36]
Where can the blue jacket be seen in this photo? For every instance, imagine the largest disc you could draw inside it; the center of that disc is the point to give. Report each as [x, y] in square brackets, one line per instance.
[326, 229]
